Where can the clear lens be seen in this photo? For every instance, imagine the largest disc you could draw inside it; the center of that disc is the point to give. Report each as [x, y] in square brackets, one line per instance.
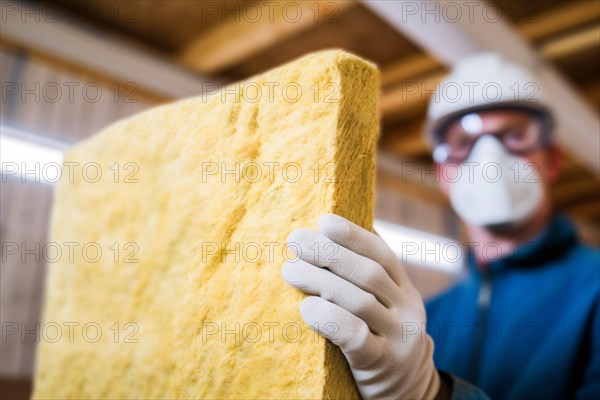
[523, 138]
[520, 131]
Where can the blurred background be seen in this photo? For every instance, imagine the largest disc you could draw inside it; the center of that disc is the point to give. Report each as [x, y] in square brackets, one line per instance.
[68, 68]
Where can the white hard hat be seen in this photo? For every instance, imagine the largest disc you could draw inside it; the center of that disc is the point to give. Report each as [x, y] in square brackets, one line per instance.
[480, 82]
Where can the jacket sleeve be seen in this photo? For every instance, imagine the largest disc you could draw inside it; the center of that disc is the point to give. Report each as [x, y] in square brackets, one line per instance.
[462, 390]
[590, 386]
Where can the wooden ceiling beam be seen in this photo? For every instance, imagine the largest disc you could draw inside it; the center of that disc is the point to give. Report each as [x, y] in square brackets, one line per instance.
[578, 192]
[409, 99]
[588, 211]
[412, 67]
[238, 38]
[406, 140]
[575, 43]
[566, 17]
[410, 188]
[256, 27]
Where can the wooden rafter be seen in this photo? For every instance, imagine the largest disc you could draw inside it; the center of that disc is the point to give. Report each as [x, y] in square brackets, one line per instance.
[577, 42]
[566, 17]
[268, 24]
[576, 192]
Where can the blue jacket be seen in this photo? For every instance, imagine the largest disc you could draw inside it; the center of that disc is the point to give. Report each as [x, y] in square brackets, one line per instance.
[527, 326]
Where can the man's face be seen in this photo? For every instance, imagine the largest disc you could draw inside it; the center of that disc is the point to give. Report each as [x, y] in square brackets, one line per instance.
[519, 132]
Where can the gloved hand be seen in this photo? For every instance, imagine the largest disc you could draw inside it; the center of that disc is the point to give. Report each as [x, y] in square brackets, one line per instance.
[361, 289]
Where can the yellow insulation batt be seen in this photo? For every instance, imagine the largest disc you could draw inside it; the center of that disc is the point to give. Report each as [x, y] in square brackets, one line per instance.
[172, 225]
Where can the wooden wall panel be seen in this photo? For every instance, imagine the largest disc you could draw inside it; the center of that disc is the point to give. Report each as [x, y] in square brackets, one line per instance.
[24, 211]
[25, 207]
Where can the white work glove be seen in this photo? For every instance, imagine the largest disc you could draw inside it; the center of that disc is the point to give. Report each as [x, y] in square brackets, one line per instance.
[364, 303]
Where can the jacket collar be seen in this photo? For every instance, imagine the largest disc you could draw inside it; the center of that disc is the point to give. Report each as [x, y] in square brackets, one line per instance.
[556, 238]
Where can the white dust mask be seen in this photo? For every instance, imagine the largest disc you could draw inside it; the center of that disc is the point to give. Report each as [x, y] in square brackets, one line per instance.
[495, 187]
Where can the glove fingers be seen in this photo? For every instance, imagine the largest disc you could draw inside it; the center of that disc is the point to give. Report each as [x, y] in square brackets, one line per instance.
[330, 287]
[350, 333]
[365, 273]
[361, 241]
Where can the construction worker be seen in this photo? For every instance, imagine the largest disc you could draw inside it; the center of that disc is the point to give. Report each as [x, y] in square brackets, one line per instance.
[524, 322]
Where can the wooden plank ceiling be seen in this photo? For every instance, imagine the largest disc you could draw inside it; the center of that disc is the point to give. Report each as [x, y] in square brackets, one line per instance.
[227, 41]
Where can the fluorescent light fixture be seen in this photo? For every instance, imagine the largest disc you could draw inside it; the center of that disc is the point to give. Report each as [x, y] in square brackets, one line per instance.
[29, 157]
[420, 248]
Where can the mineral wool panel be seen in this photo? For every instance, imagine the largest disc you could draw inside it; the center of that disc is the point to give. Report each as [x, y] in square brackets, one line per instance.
[190, 214]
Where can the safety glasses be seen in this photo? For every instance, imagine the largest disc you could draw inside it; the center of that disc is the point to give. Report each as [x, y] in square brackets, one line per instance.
[521, 132]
